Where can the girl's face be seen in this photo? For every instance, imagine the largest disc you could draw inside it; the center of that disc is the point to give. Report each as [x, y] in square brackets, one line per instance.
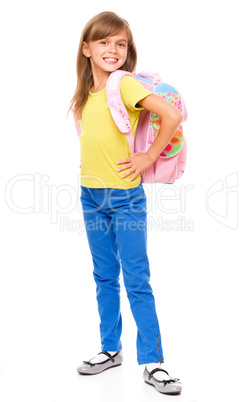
[108, 54]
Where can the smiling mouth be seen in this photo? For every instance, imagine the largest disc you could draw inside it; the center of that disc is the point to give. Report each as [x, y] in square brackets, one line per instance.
[110, 59]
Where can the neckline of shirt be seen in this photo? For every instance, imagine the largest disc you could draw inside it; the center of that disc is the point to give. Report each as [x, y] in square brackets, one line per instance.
[97, 93]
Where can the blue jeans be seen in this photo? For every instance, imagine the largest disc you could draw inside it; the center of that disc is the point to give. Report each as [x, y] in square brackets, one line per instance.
[116, 227]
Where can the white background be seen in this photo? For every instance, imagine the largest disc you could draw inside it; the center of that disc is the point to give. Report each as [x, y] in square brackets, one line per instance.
[49, 320]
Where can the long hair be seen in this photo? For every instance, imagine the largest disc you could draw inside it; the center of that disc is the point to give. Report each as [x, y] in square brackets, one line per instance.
[100, 26]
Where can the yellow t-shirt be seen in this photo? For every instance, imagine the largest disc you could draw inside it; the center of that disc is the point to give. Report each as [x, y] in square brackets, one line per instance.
[102, 144]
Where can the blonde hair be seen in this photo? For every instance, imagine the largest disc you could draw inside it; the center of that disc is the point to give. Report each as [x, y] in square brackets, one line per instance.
[102, 25]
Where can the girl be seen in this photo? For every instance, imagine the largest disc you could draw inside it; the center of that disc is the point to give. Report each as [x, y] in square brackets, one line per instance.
[112, 195]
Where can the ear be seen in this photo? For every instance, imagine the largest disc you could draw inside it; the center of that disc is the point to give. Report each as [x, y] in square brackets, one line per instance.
[85, 50]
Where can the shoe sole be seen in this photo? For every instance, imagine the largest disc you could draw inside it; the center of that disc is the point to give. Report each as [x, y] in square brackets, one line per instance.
[166, 393]
[107, 368]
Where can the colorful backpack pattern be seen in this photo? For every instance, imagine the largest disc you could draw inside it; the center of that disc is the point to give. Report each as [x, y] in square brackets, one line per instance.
[170, 164]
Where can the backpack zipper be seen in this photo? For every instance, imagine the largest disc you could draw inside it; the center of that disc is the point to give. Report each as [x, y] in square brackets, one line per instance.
[158, 349]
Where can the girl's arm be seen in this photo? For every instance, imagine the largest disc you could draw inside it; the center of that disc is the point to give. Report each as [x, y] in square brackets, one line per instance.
[170, 120]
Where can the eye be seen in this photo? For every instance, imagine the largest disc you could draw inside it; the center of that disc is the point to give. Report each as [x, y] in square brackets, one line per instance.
[103, 42]
[121, 45]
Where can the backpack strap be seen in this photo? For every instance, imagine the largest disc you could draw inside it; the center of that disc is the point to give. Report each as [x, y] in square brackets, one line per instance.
[117, 107]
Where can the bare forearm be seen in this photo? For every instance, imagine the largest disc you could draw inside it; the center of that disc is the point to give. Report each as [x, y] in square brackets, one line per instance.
[170, 120]
[166, 131]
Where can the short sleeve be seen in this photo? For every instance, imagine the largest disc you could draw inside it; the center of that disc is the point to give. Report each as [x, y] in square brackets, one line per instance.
[132, 91]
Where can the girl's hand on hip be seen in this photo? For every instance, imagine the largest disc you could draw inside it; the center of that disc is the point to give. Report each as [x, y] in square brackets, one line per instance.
[136, 164]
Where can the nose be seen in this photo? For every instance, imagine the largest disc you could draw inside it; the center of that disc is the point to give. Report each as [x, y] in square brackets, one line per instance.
[112, 48]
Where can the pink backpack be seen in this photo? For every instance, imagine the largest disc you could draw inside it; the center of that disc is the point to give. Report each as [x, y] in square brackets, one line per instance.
[170, 164]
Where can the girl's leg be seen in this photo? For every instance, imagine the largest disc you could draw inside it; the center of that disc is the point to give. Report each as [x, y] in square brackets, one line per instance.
[129, 217]
[103, 246]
